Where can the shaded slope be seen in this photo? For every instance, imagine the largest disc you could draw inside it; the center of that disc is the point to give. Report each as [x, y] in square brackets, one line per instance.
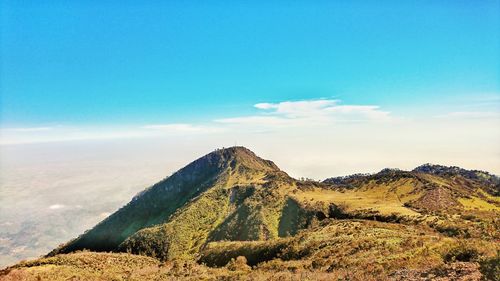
[185, 232]
[245, 205]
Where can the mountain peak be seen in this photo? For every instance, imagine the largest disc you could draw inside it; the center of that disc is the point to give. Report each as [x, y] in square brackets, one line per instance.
[235, 149]
[209, 175]
[239, 155]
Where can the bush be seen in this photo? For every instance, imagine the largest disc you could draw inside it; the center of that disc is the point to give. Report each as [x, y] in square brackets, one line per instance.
[239, 264]
[255, 252]
[490, 268]
[463, 253]
[450, 230]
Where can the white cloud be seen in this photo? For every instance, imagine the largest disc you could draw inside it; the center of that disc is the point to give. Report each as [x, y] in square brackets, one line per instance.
[326, 121]
[10, 136]
[56, 206]
[264, 105]
[303, 108]
[270, 116]
[308, 113]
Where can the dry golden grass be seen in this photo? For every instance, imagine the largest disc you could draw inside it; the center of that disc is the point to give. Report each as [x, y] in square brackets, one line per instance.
[385, 199]
[102, 266]
[475, 203]
[345, 250]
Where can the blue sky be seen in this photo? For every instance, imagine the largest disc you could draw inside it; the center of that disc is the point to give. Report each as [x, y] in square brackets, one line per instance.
[90, 63]
[342, 86]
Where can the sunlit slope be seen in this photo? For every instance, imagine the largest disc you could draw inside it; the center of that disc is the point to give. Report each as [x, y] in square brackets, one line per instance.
[84, 266]
[331, 250]
[335, 244]
[454, 201]
[410, 193]
[380, 198]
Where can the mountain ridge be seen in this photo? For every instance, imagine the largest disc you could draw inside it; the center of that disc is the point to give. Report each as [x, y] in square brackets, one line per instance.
[232, 194]
[231, 209]
[158, 203]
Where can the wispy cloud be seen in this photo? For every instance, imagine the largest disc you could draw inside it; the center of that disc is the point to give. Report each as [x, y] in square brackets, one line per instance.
[56, 206]
[270, 117]
[10, 136]
[309, 112]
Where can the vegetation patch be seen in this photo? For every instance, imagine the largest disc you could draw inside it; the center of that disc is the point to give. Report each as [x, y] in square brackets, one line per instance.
[233, 216]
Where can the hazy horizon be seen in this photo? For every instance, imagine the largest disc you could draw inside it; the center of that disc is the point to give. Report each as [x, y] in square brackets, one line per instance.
[417, 82]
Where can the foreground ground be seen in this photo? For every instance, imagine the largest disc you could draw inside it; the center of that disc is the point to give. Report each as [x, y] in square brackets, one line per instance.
[333, 250]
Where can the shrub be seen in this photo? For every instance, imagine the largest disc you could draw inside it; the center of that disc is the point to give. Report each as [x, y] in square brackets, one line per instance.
[449, 230]
[462, 252]
[490, 268]
[239, 264]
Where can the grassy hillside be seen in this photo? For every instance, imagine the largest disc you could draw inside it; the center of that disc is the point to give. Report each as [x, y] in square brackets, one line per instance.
[233, 215]
[242, 205]
[335, 244]
[332, 250]
[453, 201]
[158, 203]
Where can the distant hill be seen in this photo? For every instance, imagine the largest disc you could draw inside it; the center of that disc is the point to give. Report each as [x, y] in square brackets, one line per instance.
[232, 209]
[427, 188]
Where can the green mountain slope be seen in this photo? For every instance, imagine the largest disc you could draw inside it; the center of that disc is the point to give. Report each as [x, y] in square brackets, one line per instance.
[231, 194]
[232, 209]
[244, 204]
[227, 194]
